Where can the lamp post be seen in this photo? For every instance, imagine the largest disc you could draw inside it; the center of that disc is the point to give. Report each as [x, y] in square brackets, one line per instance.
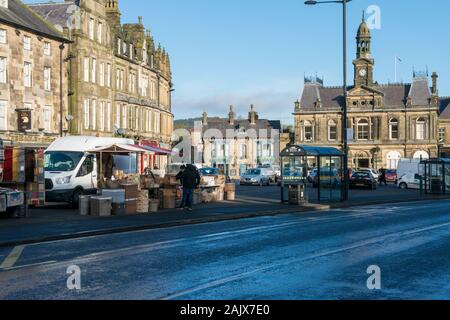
[344, 111]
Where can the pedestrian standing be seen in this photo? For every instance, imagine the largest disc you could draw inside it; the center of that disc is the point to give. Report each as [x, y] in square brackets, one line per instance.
[383, 177]
[190, 179]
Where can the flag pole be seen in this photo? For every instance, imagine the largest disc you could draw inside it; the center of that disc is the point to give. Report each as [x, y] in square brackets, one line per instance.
[395, 69]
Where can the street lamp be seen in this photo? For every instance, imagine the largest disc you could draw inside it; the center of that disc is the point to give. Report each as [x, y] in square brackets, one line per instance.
[344, 111]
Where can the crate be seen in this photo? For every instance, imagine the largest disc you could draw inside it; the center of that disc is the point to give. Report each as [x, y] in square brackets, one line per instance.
[84, 206]
[118, 196]
[101, 206]
[169, 202]
[231, 195]
[131, 190]
[153, 206]
[130, 206]
[118, 209]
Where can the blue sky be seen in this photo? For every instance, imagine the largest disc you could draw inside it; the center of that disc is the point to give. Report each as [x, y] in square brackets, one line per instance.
[256, 51]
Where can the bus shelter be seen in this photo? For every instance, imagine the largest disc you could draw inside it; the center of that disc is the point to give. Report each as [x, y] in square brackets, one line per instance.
[437, 176]
[312, 174]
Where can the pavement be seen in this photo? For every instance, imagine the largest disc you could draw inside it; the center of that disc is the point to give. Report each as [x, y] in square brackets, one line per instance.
[287, 257]
[58, 222]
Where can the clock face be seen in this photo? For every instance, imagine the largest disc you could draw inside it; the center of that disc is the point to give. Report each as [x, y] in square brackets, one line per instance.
[362, 72]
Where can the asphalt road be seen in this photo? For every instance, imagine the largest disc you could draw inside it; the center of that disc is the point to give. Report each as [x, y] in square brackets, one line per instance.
[309, 256]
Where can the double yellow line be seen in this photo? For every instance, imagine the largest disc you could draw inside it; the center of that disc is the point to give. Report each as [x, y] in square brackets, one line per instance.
[12, 258]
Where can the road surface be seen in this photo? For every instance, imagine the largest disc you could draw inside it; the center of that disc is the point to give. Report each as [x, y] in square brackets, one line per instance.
[307, 256]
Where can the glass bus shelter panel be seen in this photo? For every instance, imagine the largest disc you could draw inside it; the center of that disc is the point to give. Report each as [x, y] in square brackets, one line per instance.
[434, 178]
[294, 170]
[330, 182]
[447, 177]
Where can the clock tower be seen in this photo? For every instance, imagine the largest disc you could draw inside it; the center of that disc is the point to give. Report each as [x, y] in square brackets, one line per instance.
[364, 62]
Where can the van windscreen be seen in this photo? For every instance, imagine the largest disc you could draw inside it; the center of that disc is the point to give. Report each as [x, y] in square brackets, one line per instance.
[62, 161]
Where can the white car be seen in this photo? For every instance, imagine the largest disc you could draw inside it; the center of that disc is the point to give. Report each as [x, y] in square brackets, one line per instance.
[373, 172]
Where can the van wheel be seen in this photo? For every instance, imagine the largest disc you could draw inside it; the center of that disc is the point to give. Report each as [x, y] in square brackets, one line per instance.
[76, 198]
[403, 186]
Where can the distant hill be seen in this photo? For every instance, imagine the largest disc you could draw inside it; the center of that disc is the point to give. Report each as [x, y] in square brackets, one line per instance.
[185, 123]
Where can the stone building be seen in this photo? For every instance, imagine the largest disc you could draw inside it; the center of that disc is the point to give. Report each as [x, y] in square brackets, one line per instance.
[234, 145]
[33, 94]
[388, 121]
[120, 81]
[444, 128]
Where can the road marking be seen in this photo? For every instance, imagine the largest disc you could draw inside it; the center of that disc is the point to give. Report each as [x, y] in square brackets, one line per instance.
[12, 258]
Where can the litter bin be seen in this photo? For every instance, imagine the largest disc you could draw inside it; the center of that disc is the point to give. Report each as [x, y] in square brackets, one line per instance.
[297, 194]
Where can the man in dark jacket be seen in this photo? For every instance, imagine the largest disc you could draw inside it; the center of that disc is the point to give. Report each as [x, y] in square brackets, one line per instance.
[190, 179]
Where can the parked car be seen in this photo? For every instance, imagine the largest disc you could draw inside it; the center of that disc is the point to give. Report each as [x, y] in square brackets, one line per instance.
[373, 172]
[258, 176]
[329, 177]
[391, 176]
[274, 171]
[363, 179]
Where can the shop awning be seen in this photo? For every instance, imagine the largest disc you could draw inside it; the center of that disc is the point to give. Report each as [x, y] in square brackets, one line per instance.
[157, 150]
[121, 148]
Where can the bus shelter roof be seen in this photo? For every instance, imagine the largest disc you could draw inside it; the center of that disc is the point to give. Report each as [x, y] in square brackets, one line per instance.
[311, 151]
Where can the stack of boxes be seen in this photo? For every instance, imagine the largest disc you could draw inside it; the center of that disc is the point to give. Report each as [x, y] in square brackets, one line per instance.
[131, 195]
[171, 192]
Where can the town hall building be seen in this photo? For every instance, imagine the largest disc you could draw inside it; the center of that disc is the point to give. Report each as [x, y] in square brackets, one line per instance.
[388, 121]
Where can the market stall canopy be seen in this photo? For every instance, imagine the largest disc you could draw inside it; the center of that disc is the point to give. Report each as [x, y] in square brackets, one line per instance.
[158, 150]
[310, 151]
[121, 148]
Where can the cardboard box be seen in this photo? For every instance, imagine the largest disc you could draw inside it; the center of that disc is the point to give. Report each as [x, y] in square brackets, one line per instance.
[169, 202]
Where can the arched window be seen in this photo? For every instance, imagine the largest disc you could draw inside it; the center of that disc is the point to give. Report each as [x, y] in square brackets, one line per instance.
[308, 131]
[420, 129]
[363, 129]
[393, 158]
[393, 129]
[332, 130]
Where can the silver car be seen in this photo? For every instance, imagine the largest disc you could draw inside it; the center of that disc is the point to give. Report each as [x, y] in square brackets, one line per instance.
[257, 177]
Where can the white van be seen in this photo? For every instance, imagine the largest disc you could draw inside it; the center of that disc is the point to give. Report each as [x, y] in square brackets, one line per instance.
[409, 173]
[70, 171]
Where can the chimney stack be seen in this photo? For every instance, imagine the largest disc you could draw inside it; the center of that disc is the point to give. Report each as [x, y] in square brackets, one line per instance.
[252, 115]
[231, 116]
[435, 78]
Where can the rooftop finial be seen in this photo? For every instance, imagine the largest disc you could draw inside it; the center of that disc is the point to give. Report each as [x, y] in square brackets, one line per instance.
[364, 16]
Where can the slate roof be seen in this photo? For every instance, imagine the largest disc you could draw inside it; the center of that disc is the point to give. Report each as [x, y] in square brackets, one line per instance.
[20, 16]
[445, 108]
[223, 124]
[57, 13]
[395, 95]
